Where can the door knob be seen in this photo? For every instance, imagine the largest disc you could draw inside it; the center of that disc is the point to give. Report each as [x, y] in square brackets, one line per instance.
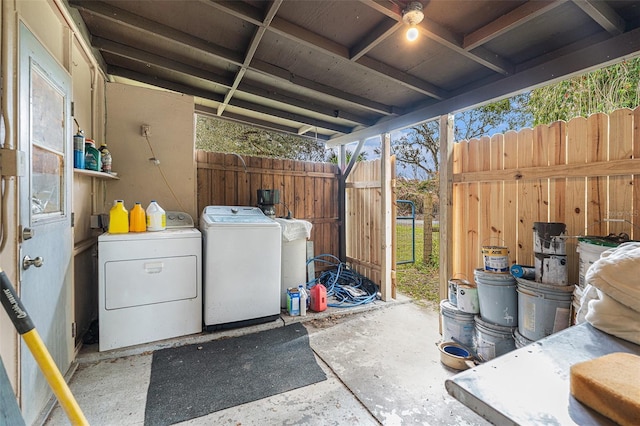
[27, 262]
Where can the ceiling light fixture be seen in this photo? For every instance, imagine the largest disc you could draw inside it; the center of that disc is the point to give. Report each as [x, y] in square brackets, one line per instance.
[412, 16]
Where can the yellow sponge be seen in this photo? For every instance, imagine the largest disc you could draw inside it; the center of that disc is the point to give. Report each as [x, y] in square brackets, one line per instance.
[610, 385]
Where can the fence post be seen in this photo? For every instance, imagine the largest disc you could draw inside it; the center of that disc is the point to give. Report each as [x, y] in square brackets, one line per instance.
[427, 233]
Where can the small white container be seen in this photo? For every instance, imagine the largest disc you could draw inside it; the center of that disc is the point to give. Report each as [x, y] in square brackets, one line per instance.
[156, 217]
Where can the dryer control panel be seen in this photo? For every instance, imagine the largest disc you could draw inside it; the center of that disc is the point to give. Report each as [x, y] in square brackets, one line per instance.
[179, 220]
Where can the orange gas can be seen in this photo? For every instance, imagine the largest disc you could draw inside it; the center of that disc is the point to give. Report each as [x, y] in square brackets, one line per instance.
[318, 298]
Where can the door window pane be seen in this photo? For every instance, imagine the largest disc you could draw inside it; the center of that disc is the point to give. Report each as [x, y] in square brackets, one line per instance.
[48, 146]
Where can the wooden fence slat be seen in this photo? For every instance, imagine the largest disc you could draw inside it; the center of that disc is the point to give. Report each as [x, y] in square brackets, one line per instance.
[575, 198]
[510, 212]
[597, 143]
[636, 177]
[620, 188]
[526, 201]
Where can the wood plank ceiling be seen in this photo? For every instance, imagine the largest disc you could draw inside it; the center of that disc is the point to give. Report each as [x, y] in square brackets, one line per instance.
[342, 70]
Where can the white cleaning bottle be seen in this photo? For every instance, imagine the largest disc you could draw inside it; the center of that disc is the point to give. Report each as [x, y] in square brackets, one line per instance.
[303, 300]
[156, 217]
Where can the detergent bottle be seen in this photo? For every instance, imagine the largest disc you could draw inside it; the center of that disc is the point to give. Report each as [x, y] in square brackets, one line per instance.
[137, 219]
[156, 217]
[118, 218]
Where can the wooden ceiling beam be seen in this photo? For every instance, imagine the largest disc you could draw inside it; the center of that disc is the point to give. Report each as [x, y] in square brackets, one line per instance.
[374, 38]
[603, 14]
[508, 22]
[251, 50]
[267, 125]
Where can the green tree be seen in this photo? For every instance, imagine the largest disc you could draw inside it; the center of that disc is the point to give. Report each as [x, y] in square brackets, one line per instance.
[332, 157]
[417, 149]
[217, 135]
[602, 90]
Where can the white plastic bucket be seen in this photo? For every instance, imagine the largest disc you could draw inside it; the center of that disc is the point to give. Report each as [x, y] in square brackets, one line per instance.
[551, 269]
[452, 290]
[549, 237]
[467, 297]
[497, 297]
[457, 326]
[493, 340]
[589, 251]
[543, 309]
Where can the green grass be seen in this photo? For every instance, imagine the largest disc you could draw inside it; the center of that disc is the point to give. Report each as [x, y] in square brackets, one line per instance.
[418, 280]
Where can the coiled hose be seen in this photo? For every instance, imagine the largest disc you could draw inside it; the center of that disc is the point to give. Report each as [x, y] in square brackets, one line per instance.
[346, 286]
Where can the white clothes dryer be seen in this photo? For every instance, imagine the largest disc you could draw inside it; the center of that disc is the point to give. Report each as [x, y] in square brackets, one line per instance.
[150, 286]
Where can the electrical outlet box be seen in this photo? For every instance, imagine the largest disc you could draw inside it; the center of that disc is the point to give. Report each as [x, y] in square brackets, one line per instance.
[146, 130]
[12, 163]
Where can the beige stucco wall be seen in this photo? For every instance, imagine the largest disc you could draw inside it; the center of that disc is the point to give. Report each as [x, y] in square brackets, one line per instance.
[171, 117]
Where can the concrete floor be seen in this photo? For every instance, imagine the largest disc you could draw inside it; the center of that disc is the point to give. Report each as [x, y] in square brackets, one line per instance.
[381, 361]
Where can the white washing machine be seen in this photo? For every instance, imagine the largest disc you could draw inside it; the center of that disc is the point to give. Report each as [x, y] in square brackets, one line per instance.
[150, 284]
[241, 251]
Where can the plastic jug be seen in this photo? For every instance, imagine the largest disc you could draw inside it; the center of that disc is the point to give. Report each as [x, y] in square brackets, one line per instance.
[303, 300]
[318, 298]
[293, 302]
[92, 160]
[156, 217]
[105, 157]
[118, 218]
[137, 219]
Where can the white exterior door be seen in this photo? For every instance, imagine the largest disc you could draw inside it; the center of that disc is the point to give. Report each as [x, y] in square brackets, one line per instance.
[45, 213]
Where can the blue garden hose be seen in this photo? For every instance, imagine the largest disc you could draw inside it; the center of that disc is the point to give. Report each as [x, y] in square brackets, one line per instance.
[348, 287]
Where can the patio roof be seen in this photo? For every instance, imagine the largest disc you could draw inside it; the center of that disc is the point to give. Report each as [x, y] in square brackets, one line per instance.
[342, 70]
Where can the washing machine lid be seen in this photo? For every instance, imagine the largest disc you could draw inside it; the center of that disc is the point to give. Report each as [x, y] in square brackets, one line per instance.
[234, 215]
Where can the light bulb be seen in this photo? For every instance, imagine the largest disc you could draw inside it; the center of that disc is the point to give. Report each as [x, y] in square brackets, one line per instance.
[412, 33]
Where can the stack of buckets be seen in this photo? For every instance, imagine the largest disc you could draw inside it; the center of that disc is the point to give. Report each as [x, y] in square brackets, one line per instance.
[458, 311]
[498, 300]
[544, 305]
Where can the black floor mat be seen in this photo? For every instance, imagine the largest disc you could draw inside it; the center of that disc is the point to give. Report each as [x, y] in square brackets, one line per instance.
[195, 380]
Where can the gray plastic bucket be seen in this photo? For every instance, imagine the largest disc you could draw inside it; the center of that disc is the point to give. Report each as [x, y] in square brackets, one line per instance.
[520, 340]
[543, 309]
[498, 298]
[457, 326]
[493, 340]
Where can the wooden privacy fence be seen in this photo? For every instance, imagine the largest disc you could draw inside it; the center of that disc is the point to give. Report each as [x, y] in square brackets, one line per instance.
[309, 190]
[365, 221]
[585, 173]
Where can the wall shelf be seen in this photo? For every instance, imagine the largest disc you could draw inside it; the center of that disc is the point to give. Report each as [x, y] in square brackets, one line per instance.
[92, 173]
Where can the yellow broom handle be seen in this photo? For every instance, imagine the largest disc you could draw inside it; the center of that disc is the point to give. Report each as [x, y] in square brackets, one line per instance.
[53, 376]
[23, 324]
